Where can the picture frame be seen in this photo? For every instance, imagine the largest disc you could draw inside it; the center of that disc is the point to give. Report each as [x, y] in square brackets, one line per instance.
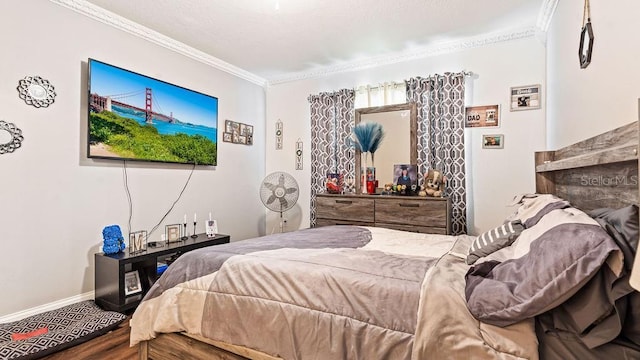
[492, 141]
[173, 232]
[335, 183]
[238, 133]
[211, 228]
[137, 242]
[409, 179]
[228, 126]
[525, 97]
[132, 283]
[482, 116]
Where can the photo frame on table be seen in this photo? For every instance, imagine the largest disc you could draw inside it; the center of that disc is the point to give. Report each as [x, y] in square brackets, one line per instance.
[525, 97]
[493, 141]
[137, 242]
[407, 175]
[482, 116]
[211, 228]
[173, 232]
[132, 283]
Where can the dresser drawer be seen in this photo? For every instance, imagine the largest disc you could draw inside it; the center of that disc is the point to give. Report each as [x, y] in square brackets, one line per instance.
[422, 213]
[345, 208]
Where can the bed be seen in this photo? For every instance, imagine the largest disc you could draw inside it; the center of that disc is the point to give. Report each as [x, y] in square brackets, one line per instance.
[372, 293]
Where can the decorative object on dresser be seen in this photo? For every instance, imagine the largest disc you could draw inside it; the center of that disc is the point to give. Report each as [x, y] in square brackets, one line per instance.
[433, 184]
[406, 179]
[36, 91]
[113, 271]
[366, 138]
[335, 183]
[10, 137]
[417, 214]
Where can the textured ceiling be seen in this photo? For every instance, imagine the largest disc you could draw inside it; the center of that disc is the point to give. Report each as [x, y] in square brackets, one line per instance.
[277, 39]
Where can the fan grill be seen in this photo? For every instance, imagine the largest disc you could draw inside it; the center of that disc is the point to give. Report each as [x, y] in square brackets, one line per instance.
[279, 191]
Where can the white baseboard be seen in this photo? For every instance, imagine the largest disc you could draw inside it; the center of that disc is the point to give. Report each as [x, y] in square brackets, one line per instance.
[47, 307]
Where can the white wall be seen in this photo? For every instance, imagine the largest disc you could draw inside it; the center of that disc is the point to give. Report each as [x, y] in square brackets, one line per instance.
[55, 202]
[586, 102]
[494, 176]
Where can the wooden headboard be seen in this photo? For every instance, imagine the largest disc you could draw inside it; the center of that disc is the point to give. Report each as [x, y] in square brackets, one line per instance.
[601, 171]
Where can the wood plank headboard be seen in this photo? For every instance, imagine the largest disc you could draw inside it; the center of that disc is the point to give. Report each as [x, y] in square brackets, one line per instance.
[601, 171]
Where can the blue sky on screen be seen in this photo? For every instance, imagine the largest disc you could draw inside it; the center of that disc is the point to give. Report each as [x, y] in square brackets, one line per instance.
[187, 105]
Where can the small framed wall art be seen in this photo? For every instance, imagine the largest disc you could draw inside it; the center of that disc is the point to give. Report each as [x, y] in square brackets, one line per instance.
[237, 133]
[482, 116]
[525, 97]
[493, 141]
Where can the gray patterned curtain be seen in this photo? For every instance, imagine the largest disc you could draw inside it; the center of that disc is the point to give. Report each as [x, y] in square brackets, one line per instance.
[331, 124]
[440, 103]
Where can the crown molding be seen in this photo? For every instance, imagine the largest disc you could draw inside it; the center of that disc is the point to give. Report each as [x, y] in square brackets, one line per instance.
[419, 53]
[545, 15]
[97, 13]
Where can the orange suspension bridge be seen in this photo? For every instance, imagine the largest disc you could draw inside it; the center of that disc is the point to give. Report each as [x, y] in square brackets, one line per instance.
[100, 103]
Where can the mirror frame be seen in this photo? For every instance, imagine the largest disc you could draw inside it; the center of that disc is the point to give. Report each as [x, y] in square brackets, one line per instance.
[413, 133]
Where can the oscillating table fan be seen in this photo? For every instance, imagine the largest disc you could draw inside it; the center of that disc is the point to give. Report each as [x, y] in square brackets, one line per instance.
[279, 193]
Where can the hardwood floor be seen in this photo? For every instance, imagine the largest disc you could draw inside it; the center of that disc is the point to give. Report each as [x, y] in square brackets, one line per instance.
[113, 345]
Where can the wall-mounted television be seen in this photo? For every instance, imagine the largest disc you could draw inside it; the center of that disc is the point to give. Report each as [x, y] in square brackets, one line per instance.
[136, 117]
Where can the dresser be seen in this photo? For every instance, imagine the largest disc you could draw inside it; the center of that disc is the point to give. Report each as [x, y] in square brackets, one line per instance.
[408, 213]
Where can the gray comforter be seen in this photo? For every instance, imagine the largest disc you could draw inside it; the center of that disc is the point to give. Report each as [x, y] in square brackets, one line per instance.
[325, 293]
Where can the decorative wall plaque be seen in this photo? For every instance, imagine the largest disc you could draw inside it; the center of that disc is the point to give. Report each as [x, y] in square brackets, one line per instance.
[36, 91]
[279, 135]
[10, 137]
[299, 161]
[586, 37]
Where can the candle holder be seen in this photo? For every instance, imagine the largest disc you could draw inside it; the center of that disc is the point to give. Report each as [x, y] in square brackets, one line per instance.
[194, 231]
[184, 234]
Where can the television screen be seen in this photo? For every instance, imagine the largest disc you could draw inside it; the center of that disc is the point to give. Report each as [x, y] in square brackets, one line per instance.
[135, 117]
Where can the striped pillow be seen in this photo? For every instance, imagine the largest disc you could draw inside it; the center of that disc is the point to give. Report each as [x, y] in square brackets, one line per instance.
[494, 240]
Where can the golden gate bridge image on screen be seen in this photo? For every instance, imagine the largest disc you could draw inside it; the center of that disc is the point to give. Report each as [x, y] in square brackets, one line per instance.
[101, 103]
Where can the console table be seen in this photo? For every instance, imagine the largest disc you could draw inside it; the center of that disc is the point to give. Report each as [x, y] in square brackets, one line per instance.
[409, 213]
[110, 270]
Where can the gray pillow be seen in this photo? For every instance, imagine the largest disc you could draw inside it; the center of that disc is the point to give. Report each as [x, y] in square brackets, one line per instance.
[494, 240]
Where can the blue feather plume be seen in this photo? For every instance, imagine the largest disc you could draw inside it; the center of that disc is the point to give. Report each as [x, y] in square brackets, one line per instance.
[368, 136]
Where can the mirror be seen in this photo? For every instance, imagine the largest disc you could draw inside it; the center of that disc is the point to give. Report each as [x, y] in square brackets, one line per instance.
[399, 146]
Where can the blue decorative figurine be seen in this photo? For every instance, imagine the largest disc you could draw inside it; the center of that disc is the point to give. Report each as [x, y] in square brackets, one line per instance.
[113, 240]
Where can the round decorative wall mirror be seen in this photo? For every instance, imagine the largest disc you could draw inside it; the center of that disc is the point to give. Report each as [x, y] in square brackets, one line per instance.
[36, 91]
[10, 137]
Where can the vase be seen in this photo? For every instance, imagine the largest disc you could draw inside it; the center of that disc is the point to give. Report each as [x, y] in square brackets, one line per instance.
[371, 180]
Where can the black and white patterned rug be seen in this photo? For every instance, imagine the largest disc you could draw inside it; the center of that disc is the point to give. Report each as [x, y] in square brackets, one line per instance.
[46, 333]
